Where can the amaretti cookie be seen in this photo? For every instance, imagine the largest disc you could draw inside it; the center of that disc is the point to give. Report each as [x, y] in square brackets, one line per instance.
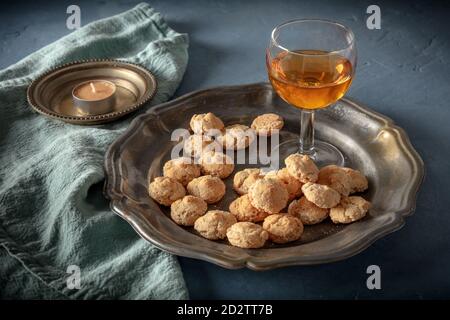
[216, 164]
[336, 178]
[187, 210]
[181, 169]
[210, 189]
[165, 190]
[247, 235]
[307, 211]
[206, 124]
[244, 179]
[350, 209]
[321, 195]
[266, 124]
[283, 228]
[293, 185]
[302, 167]
[358, 182]
[268, 195]
[236, 137]
[195, 145]
[244, 211]
[214, 224]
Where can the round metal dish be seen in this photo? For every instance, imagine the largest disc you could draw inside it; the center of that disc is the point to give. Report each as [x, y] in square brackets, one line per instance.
[51, 93]
[370, 141]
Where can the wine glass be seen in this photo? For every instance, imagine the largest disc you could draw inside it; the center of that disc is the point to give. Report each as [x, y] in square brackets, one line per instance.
[311, 64]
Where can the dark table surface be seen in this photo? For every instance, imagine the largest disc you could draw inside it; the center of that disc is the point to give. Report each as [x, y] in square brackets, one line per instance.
[403, 72]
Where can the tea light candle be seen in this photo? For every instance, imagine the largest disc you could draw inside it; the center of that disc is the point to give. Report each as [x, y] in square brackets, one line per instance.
[94, 97]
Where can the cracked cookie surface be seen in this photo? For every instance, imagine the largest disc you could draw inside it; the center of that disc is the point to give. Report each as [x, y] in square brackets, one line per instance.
[214, 224]
[187, 210]
[307, 211]
[209, 188]
[321, 195]
[216, 164]
[350, 209]
[336, 178]
[268, 195]
[293, 185]
[181, 169]
[165, 190]
[195, 145]
[358, 181]
[236, 137]
[245, 211]
[244, 179]
[283, 228]
[247, 235]
[266, 124]
[302, 167]
[206, 123]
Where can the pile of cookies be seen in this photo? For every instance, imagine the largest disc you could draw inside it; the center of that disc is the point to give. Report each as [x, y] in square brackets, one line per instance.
[274, 205]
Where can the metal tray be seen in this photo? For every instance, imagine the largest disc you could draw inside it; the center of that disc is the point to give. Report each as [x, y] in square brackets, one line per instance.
[370, 141]
[51, 93]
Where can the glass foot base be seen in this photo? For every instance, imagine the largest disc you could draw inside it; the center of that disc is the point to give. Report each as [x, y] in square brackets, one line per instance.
[324, 153]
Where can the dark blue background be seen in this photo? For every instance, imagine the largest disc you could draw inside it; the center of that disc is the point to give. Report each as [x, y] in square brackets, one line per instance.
[403, 72]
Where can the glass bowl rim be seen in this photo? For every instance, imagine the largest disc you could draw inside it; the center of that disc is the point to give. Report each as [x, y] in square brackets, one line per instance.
[294, 21]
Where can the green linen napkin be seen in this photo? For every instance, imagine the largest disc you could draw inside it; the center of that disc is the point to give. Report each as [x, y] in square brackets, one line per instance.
[47, 220]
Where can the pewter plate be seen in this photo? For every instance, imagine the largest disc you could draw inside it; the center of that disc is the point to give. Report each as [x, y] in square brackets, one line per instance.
[51, 93]
[370, 141]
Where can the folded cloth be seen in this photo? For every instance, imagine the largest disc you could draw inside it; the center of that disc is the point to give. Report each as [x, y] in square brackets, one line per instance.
[52, 233]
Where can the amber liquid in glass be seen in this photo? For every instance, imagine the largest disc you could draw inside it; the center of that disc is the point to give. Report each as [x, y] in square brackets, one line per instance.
[311, 79]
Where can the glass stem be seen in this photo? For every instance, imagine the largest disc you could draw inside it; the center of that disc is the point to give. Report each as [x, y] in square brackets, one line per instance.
[306, 132]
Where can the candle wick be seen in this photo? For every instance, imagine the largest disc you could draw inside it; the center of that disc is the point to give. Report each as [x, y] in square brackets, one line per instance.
[93, 88]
